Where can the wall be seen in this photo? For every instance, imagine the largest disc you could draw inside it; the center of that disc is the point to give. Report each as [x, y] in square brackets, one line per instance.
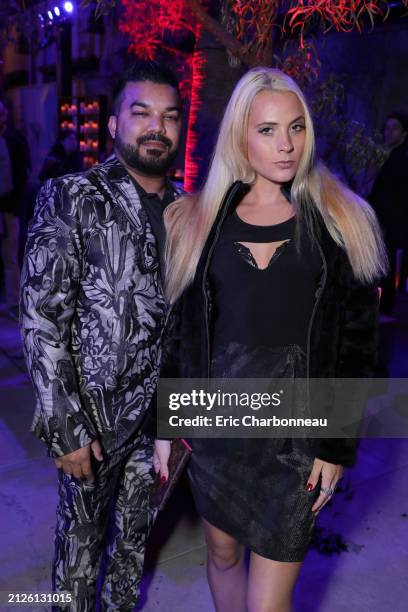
[374, 66]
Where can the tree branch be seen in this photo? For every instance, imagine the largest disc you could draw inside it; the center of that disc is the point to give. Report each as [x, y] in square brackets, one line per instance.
[220, 33]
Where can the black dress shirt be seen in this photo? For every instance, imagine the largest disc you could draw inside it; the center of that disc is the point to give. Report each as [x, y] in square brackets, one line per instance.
[154, 207]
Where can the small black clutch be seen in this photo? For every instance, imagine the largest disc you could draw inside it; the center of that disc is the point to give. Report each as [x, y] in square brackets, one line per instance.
[179, 457]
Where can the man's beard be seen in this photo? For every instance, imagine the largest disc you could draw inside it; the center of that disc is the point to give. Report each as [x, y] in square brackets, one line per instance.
[156, 163]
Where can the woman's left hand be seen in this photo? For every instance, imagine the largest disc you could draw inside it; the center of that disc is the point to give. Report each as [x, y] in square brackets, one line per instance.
[330, 475]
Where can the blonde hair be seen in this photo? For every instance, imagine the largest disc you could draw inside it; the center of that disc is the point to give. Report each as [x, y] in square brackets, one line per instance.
[349, 219]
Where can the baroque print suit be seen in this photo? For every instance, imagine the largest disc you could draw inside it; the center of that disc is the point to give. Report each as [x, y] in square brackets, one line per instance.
[92, 310]
[92, 316]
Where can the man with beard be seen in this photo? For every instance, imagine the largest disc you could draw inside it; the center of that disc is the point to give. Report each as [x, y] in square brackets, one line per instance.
[92, 313]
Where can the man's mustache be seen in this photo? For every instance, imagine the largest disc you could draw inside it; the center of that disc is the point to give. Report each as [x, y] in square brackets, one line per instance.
[154, 137]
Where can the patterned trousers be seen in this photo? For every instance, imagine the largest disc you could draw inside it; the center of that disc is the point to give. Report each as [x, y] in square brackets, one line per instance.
[110, 519]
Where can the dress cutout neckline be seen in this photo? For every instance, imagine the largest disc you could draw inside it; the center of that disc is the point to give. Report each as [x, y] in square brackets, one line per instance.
[248, 256]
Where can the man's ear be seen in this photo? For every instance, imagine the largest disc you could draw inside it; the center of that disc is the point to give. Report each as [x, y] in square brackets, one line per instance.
[112, 124]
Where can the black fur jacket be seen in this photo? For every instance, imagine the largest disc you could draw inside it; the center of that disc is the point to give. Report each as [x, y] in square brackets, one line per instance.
[342, 337]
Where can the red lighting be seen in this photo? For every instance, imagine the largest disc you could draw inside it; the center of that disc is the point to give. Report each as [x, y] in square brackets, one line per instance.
[197, 80]
[343, 15]
[146, 21]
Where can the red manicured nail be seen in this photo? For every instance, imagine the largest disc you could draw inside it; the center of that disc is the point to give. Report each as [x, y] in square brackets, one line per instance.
[309, 486]
[163, 479]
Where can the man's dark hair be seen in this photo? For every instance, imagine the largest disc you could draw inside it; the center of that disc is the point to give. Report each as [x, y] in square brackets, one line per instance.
[141, 71]
[401, 117]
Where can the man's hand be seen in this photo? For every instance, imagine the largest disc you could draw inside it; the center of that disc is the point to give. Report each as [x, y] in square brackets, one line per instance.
[78, 463]
[330, 475]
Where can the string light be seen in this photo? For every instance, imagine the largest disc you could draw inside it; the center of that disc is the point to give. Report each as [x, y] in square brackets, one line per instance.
[68, 7]
[59, 13]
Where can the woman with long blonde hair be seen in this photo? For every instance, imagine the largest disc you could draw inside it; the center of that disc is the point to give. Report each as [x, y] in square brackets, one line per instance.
[272, 269]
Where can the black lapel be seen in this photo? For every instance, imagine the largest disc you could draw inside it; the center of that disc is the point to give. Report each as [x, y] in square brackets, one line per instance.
[124, 191]
[230, 201]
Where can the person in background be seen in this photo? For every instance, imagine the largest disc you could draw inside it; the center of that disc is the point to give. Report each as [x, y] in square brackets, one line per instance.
[15, 165]
[389, 200]
[92, 316]
[63, 158]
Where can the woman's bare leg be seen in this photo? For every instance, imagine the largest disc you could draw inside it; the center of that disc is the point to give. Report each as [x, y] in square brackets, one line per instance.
[270, 584]
[225, 570]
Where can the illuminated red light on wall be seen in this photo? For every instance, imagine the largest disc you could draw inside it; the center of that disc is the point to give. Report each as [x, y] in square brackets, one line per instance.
[197, 81]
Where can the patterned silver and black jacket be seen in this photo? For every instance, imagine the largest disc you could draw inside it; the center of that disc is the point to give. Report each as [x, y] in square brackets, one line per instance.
[92, 310]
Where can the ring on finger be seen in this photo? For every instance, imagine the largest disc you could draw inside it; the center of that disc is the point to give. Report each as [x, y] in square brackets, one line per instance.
[329, 492]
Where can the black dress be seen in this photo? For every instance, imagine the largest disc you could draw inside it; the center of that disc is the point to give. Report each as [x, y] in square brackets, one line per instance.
[255, 489]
